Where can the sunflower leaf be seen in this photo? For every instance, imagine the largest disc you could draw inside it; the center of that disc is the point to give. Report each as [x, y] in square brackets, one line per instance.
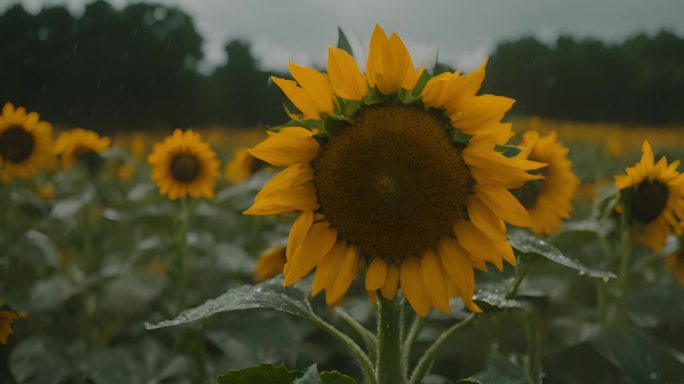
[270, 294]
[527, 244]
[279, 374]
[343, 42]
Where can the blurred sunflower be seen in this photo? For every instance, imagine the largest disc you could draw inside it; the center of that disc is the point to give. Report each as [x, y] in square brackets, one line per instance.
[676, 264]
[46, 191]
[80, 146]
[242, 166]
[24, 142]
[270, 264]
[7, 317]
[548, 201]
[394, 172]
[654, 198]
[184, 165]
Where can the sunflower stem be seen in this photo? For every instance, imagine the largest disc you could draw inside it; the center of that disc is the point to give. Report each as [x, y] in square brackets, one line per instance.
[364, 362]
[624, 250]
[520, 274]
[390, 366]
[425, 362]
[369, 339]
[181, 267]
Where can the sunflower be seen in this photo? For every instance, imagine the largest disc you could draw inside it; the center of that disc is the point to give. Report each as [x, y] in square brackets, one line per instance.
[653, 196]
[80, 146]
[270, 264]
[548, 201]
[183, 164]
[396, 173]
[7, 317]
[24, 143]
[242, 166]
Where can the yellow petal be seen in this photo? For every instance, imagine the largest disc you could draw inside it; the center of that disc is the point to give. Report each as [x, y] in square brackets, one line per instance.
[375, 52]
[413, 285]
[347, 80]
[298, 233]
[290, 146]
[329, 268]
[298, 96]
[376, 274]
[316, 85]
[435, 281]
[457, 264]
[347, 273]
[505, 205]
[389, 290]
[320, 239]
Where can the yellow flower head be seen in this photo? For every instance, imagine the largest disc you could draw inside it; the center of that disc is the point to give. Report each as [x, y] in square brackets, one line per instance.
[6, 319]
[24, 143]
[394, 173]
[655, 200]
[270, 264]
[184, 165]
[242, 166]
[79, 145]
[548, 201]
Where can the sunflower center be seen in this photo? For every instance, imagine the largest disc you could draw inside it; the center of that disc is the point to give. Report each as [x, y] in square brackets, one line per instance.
[185, 168]
[649, 201]
[392, 183]
[16, 144]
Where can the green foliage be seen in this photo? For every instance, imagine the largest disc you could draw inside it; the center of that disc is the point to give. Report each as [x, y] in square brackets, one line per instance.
[272, 374]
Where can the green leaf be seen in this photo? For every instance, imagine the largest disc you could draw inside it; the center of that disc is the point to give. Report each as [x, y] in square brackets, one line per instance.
[641, 359]
[595, 368]
[31, 362]
[269, 294]
[490, 301]
[310, 376]
[498, 371]
[334, 377]
[262, 374]
[343, 42]
[656, 305]
[529, 245]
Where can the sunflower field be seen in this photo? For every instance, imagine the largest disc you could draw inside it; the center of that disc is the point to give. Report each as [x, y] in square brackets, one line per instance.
[399, 227]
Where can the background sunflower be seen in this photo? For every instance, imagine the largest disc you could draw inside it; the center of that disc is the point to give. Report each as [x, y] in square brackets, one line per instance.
[24, 143]
[79, 145]
[184, 165]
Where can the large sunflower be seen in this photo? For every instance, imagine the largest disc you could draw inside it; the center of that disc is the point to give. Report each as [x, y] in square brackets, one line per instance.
[654, 198]
[24, 142]
[184, 165]
[548, 201]
[79, 145]
[394, 173]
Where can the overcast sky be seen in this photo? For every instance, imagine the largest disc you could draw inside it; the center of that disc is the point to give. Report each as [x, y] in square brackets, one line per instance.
[465, 31]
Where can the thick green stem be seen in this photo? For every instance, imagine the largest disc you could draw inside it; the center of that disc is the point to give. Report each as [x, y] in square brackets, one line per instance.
[601, 302]
[363, 360]
[623, 273]
[390, 364]
[520, 274]
[425, 362]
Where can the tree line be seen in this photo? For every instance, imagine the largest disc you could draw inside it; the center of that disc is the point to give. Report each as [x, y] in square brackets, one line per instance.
[138, 68]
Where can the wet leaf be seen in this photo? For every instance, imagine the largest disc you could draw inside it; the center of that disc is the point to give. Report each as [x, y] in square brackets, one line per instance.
[529, 245]
[270, 294]
[31, 362]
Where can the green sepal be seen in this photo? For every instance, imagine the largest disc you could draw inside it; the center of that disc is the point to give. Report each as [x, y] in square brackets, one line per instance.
[508, 150]
[459, 138]
[421, 83]
[373, 96]
[332, 124]
[346, 108]
[343, 42]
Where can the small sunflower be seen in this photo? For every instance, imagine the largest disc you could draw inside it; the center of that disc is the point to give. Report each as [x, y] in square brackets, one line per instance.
[24, 142]
[394, 172]
[242, 166]
[184, 165]
[270, 264]
[46, 191]
[8, 317]
[548, 201]
[80, 146]
[654, 198]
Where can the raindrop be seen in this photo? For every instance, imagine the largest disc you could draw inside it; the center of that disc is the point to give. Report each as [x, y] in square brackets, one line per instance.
[74, 48]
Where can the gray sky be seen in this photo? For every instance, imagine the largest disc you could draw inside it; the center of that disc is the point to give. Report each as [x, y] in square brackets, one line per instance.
[465, 31]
